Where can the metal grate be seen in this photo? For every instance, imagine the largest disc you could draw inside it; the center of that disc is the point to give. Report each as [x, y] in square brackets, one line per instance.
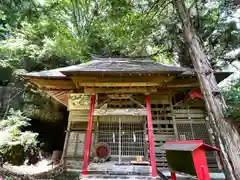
[201, 132]
[185, 131]
[198, 132]
[131, 138]
[108, 133]
[194, 131]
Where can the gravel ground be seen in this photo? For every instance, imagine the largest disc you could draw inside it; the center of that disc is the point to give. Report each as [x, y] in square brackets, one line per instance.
[41, 166]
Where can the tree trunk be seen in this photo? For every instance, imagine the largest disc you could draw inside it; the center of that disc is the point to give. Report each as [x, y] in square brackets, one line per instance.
[225, 134]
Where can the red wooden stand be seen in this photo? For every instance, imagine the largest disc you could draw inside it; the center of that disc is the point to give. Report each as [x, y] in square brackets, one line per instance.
[188, 157]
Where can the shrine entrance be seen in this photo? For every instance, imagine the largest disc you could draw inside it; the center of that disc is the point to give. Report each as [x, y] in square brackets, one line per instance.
[124, 135]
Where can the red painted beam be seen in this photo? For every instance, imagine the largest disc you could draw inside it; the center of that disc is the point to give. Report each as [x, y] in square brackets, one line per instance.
[88, 136]
[150, 137]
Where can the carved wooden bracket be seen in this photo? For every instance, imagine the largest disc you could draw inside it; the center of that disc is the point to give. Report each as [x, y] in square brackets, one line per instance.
[119, 112]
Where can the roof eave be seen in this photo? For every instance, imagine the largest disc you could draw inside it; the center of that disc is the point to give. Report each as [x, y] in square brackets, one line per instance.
[45, 77]
[220, 76]
[74, 73]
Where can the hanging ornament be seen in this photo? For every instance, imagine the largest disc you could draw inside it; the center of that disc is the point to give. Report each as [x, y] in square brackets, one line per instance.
[134, 137]
[113, 137]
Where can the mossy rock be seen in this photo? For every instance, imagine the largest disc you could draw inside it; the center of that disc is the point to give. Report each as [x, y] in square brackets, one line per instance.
[16, 155]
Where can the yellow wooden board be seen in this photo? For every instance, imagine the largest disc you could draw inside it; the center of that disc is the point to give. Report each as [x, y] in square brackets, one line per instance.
[78, 101]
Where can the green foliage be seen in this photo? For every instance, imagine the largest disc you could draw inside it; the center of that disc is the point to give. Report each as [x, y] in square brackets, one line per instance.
[37, 35]
[232, 96]
[68, 31]
[14, 143]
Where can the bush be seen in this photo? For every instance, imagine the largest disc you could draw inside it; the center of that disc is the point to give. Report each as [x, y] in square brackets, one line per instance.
[232, 96]
[15, 144]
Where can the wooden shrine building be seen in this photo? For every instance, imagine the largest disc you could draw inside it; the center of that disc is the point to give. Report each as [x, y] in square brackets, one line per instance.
[133, 105]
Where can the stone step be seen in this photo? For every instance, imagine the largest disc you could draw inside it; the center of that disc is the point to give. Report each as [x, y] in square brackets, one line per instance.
[121, 172]
[117, 177]
[111, 168]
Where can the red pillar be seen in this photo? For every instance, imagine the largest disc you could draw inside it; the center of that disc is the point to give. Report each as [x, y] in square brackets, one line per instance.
[173, 176]
[150, 136]
[88, 139]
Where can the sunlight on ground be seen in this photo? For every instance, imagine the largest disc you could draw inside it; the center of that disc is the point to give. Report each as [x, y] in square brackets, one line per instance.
[41, 166]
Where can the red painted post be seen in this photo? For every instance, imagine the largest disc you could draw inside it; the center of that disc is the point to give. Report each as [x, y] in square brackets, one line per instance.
[88, 135]
[173, 176]
[150, 136]
[203, 173]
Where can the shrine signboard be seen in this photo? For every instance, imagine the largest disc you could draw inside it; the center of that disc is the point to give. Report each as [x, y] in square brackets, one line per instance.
[78, 101]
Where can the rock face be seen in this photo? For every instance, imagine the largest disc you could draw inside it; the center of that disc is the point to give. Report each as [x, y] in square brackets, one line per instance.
[40, 106]
[6, 94]
[34, 104]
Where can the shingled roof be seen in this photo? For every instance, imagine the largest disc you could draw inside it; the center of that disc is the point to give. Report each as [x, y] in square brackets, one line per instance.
[116, 66]
[122, 65]
[110, 65]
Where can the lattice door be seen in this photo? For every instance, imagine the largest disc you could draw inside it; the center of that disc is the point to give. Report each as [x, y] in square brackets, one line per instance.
[132, 136]
[132, 139]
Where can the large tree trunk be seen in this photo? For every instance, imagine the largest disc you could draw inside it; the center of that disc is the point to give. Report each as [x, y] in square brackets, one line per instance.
[225, 134]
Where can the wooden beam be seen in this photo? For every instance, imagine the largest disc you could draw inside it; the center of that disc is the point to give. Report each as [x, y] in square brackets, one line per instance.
[104, 102]
[118, 84]
[59, 96]
[101, 79]
[181, 85]
[53, 83]
[119, 96]
[121, 81]
[136, 102]
[66, 143]
[118, 112]
[120, 90]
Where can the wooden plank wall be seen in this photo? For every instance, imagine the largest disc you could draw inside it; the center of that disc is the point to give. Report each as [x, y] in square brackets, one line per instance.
[75, 145]
[177, 122]
[163, 125]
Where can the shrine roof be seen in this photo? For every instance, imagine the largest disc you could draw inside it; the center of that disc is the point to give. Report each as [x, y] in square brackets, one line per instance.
[118, 66]
[122, 65]
[53, 73]
[110, 65]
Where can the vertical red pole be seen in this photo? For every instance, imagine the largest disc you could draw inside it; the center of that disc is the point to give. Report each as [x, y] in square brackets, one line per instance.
[173, 176]
[88, 139]
[150, 136]
[203, 173]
